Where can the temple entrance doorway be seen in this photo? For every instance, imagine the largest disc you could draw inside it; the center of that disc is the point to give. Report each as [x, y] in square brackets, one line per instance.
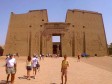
[56, 41]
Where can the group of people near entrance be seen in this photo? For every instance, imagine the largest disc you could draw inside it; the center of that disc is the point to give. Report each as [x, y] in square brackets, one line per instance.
[11, 67]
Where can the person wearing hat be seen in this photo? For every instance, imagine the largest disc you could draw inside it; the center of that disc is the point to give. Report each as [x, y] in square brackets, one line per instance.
[10, 68]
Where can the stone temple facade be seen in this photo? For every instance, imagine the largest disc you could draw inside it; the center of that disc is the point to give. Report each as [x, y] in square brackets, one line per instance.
[82, 32]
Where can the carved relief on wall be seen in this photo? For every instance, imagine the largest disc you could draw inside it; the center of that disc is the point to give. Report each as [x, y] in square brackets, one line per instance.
[96, 42]
[36, 38]
[48, 37]
[11, 37]
[100, 42]
[70, 42]
[12, 43]
[44, 42]
[70, 38]
[79, 41]
[21, 36]
[78, 38]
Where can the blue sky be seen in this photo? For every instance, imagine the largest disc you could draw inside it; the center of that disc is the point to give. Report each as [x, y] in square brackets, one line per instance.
[56, 11]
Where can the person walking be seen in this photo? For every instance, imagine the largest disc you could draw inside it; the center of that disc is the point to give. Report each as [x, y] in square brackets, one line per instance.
[78, 57]
[34, 63]
[64, 66]
[11, 68]
[28, 66]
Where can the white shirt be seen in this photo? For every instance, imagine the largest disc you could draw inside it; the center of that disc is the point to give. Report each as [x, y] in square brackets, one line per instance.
[34, 60]
[10, 62]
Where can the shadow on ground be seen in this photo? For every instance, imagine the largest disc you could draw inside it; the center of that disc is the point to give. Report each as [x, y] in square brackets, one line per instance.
[24, 77]
[3, 82]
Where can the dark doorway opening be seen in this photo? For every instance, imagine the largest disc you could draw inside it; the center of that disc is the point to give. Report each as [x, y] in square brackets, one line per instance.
[57, 45]
[54, 49]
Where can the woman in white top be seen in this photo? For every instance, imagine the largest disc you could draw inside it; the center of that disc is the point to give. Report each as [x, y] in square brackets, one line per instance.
[34, 64]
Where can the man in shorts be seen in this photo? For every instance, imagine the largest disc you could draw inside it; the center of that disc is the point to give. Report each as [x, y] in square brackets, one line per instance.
[10, 68]
[64, 66]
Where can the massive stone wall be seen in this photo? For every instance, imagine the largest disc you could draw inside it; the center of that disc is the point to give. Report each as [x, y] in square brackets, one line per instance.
[88, 31]
[28, 33]
[21, 28]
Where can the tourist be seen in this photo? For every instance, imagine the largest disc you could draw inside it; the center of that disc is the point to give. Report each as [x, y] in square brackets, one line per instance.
[78, 57]
[17, 54]
[42, 56]
[64, 66]
[34, 64]
[7, 56]
[28, 66]
[11, 68]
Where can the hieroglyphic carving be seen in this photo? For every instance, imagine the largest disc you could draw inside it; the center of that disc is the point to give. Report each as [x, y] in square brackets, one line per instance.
[70, 42]
[70, 38]
[44, 44]
[12, 37]
[99, 42]
[78, 40]
[36, 40]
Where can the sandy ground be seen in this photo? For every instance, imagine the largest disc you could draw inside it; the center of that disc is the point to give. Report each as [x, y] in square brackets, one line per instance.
[92, 70]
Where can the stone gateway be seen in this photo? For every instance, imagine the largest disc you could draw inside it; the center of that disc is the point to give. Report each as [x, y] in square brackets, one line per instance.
[82, 32]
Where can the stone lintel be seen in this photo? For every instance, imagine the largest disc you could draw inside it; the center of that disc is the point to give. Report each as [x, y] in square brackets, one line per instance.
[55, 28]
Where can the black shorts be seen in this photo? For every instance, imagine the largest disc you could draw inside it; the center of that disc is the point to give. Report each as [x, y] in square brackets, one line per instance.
[37, 65]
[29, 68]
